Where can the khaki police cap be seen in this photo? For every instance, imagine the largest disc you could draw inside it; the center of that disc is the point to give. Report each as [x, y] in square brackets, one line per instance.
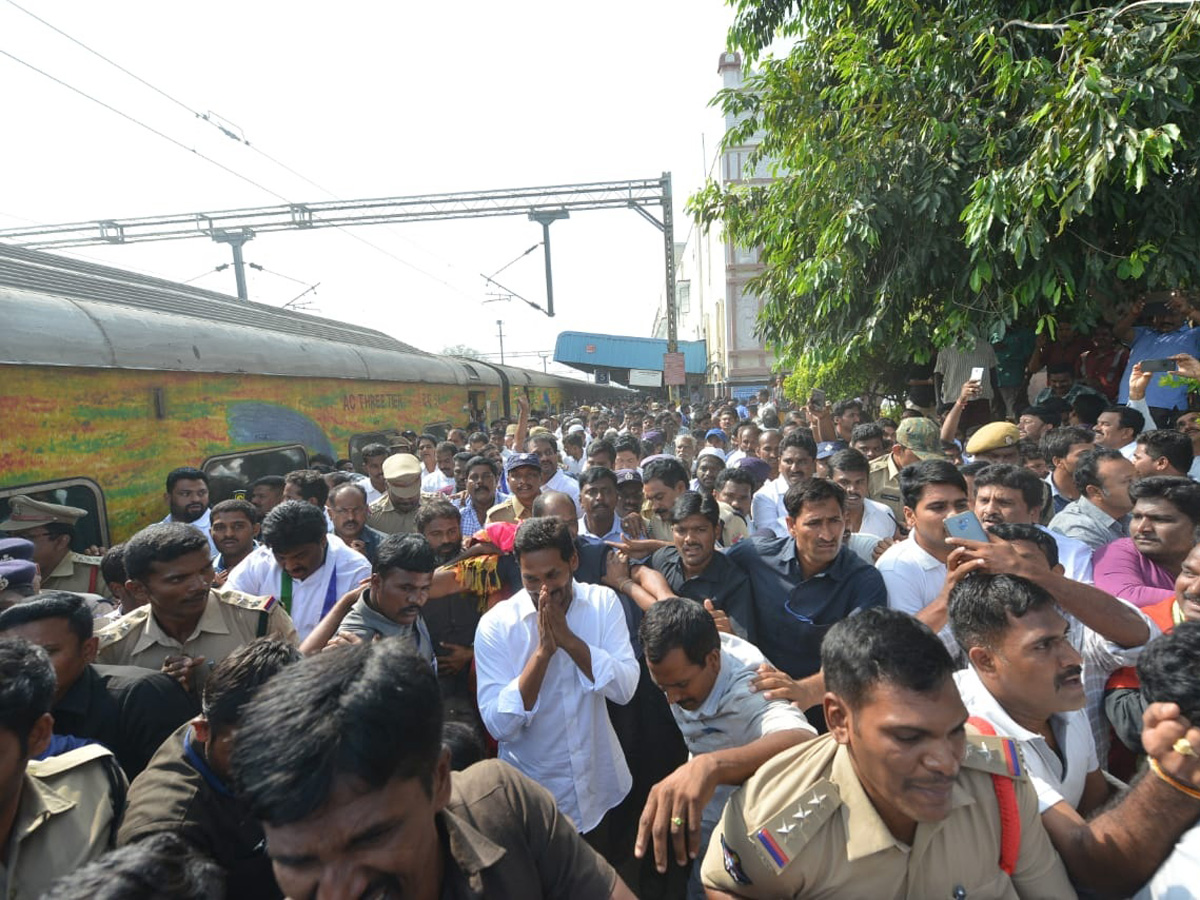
[993, 436]
[922, 437]
[26, 513]
[402, 471]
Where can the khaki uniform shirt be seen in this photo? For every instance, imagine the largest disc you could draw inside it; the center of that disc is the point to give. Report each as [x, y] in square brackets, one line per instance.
[733, 527]
[883, 485]
[804, 827]
[511, 510]
[230, 620]
[65, 819]
[79, 574]
[383, 516]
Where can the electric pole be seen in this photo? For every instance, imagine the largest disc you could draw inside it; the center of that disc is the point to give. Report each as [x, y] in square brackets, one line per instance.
[500, 331]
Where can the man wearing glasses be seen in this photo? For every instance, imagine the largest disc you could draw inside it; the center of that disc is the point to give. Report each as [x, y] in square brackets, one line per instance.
[804, 584]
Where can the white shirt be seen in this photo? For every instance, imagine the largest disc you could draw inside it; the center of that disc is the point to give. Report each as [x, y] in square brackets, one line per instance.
[560, 481]
[732, 459]
[573, 466]
[1176, 879]
[1053, 778]
[913, 578]
[1128, 450]
[433, 482]
[372, 494]
[614, 534]
[1073, 555]
[767, 509]
[259, 574]
[877, 519]
[204, 524]
[566, 743]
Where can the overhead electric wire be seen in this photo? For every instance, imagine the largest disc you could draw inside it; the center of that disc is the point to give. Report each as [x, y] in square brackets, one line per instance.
[141, 124]
[207, 117]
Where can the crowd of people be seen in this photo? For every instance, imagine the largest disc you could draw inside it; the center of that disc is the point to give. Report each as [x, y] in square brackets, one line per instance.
[724, 648]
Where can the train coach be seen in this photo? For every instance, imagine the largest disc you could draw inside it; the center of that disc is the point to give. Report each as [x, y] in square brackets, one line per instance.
[109, 379]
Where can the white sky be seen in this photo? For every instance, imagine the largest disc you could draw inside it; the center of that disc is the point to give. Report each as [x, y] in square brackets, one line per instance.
[369, 100]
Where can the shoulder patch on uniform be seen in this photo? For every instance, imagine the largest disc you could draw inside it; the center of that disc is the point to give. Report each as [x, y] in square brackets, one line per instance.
[246, 601]
[779, 837]
[127, 623]
[733, 864]
[65, 762]
[995, 755]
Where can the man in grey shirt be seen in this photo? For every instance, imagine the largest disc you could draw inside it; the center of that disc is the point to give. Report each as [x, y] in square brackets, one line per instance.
[1101, 514]
[729, 729]
[389, 604]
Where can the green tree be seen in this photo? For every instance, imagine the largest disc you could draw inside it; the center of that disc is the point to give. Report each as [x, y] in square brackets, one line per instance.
[462, 350]
[945, 168]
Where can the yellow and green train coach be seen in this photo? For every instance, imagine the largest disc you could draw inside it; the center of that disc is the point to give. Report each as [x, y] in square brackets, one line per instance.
[110, 379]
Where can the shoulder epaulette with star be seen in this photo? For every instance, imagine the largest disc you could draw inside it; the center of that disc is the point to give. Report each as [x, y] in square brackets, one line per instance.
[780, 836]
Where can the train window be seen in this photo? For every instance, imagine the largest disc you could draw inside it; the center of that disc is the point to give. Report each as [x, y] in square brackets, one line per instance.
[388, 438]
[92, 529]
[438, 429]
[472, 372]
[231, 474]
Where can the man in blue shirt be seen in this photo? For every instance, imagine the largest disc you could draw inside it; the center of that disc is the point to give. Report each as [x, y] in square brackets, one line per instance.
[1167, 335]
[803, 584]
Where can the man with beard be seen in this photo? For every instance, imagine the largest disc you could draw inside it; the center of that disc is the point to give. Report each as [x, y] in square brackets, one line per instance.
[851, 470]
[373, 456]
[187, 500]
[341, 757]
[234, 529]
[709, 464]
[183, 622]
[347, 509]
[797, 464]
[451, 620]
[307, 568]
[266, 493]
[546, 660]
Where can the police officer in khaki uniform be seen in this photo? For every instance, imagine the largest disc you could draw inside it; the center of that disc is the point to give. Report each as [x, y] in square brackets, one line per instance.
[916, 440]
[396, 511]
[184, 627]
[67, 806]
[896, 801]
[51, 528]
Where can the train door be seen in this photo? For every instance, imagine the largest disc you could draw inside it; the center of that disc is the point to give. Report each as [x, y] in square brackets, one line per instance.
[231, 474]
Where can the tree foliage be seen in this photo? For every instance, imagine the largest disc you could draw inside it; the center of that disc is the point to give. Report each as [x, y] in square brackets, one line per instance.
[944, 168]
[462, 350]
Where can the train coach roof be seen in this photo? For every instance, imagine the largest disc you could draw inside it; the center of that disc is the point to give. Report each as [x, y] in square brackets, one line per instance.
[45, 273]
[62, 312]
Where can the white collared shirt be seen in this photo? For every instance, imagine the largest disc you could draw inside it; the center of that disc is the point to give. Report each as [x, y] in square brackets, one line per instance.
[913, 578]
[614, 534]
[767, 509]
[566, 743]
[1128, 450]
[1055, 779]
[433, 482]
[877, 519]
[260, 574]
[204, 524]
[560, 481]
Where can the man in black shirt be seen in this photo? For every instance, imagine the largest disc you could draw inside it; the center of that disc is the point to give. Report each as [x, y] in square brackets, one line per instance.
[187, 790]
[128, 709]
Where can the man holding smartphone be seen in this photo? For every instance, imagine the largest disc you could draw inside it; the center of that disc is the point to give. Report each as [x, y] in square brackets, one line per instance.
[1166, 335]
[955, 367]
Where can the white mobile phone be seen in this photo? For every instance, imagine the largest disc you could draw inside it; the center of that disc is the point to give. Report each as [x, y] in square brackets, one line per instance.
[977, 374]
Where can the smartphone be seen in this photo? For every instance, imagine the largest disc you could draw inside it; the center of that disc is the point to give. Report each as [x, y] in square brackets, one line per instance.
[818, 398]
[1158, 365]
[965, 525]
[977, 374]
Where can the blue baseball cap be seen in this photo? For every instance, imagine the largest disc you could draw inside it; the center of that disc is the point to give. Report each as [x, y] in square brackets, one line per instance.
[518, 460]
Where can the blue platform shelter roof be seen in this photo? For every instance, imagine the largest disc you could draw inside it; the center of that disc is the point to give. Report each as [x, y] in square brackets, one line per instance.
[588, 352]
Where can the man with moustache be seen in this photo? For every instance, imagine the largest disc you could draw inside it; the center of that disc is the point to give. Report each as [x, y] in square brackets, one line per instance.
[234, 529]
[187, 500]
[388, 605]
[347, 508]
[482, 476]
[797, 464]
[598, 496]
[546, 661]
[524, 474]
[396, 511]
